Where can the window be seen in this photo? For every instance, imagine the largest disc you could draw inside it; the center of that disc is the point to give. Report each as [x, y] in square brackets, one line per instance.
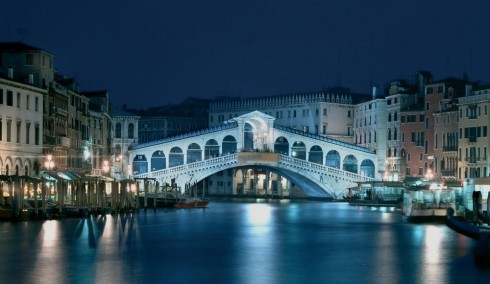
[18, 100]
[118, 130]
[36, 134]
[430, 90]
[10, 98]
[324, 111]
[36, 104]
[28, 129]
[29, 59]
[427, 106]
[1, 96]
[9, 130]
[131, 131]
[440, 89]
[27, 101]
[1, 130]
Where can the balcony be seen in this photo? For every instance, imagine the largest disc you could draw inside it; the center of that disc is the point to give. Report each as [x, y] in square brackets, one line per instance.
[448, 172]
[449, 148]
[63, 141]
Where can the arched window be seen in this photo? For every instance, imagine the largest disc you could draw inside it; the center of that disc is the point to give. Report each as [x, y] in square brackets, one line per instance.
[118, 130]
[131, 131]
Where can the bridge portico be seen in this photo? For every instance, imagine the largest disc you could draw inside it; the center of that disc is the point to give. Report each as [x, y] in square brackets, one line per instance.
[318, 165]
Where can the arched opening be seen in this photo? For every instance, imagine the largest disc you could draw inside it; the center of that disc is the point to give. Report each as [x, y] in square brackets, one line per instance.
[332, 159]
[248, 137]
[158, 161]
[211, 149]
[350, 164]
[175, 157]
[367, 168]
[140, 165]
[316, 155]
[118, 130]
[194, 153]
[229, 145]
[298, 150]
[281, 146]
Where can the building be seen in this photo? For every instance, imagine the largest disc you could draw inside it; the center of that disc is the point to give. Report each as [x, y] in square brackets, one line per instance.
[370, 129]
[157, 123]
[21, 127]
[473, 142]
[330, 113]
[125, 138]
[65, 111]
[100, 134]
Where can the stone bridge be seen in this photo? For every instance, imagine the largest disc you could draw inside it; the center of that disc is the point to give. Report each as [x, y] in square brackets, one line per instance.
[320, 166]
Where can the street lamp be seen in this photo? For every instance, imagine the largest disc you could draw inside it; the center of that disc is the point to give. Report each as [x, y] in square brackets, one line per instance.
[49, 163]
[105, 167]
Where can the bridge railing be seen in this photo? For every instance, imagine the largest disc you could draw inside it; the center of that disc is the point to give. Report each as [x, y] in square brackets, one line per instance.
[190, 166]
[325, 169]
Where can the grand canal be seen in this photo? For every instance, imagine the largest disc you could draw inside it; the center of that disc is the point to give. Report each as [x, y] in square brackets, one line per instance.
[238, 242]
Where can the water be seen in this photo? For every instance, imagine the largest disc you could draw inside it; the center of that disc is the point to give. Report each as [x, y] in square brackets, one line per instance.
[233, 242]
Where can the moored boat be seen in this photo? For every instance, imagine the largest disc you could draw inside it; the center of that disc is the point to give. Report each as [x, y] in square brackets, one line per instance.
[427, 201]
[376, 193]
[191, 202]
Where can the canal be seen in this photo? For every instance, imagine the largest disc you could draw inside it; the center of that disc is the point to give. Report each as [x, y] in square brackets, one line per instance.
[238, 242]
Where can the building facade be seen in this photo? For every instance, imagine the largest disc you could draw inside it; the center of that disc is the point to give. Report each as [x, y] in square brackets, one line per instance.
[125, 138]
[473, 142]
[21, 127]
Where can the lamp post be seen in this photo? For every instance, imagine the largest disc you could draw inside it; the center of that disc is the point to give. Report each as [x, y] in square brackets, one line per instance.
[49, 165]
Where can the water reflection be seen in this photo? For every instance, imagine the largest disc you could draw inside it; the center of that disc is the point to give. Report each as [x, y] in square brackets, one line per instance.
[238, 243]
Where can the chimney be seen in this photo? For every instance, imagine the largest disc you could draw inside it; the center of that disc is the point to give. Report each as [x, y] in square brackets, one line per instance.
[468, 89]
[375, 92]
[10, 73]
[31, 79]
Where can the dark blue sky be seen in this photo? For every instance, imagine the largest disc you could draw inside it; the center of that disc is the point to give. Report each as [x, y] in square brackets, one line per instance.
[162, 51]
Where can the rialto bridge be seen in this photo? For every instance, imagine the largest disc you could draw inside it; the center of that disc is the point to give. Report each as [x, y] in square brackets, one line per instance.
[259, 156]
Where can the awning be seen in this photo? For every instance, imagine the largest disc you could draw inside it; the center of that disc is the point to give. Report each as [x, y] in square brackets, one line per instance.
[60, 175]
[96, 178]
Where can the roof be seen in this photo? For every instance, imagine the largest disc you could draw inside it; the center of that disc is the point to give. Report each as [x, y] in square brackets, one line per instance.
[17, 47]
[101, 93]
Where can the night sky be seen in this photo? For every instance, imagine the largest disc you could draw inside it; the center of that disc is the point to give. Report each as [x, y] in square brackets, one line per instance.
[163, 51]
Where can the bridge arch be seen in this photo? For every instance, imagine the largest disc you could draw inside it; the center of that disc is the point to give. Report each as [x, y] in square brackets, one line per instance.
[332, 159]
[350, 164]
[316, 155]
[140, 165]
[194, 153]
[367, 168]
[211, 149]
[158, 161]
[229, 145]
[281, 145]
[176, 157]
[298, 150]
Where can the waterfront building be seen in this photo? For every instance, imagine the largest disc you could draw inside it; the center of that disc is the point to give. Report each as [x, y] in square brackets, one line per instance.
[21, 127]
[157, 123]
[473, 140]
[370, 129]
[100, 131]
[327, 113]
[418, 128]
[125, 138]
[65, 111]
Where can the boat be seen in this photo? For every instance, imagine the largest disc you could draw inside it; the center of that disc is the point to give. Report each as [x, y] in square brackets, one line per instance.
[190, 198]
[427, 201]
[376, 193]
[191, 202]
[477, 232]
[165, 199]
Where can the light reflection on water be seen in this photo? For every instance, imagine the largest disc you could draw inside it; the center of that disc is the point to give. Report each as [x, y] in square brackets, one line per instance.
[296, 242]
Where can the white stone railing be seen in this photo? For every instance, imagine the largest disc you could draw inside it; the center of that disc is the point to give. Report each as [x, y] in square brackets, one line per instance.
[305, 165]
